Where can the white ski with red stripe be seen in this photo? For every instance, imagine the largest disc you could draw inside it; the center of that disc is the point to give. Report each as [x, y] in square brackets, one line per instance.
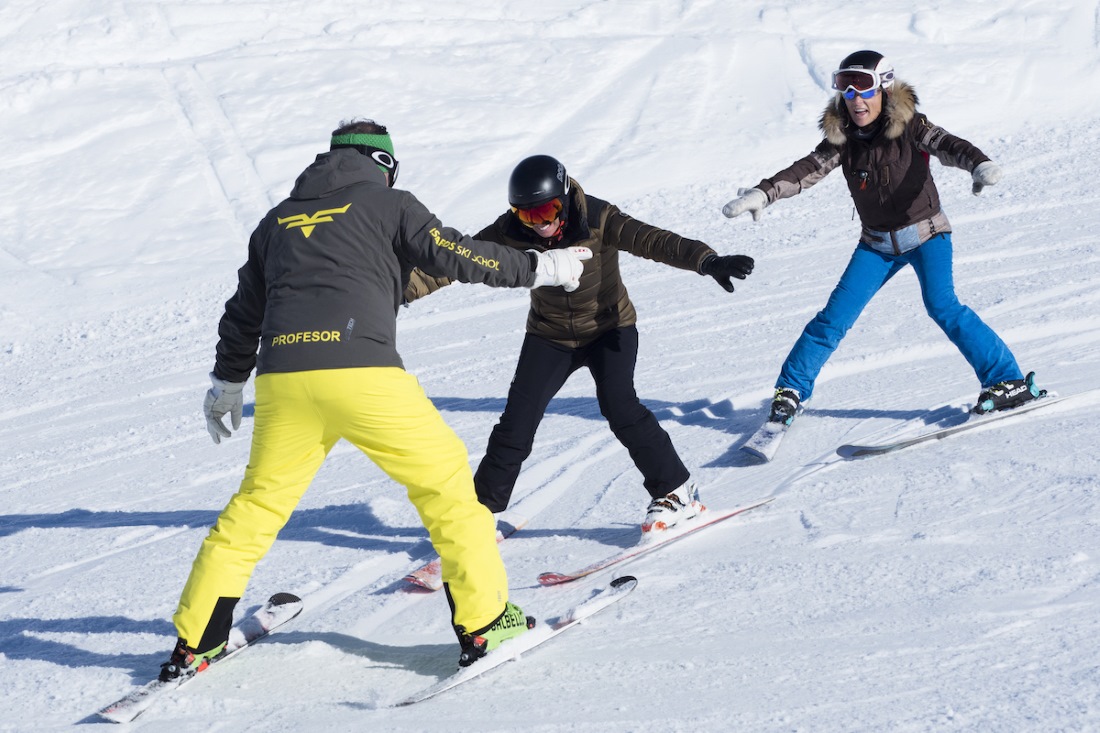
[652, 542]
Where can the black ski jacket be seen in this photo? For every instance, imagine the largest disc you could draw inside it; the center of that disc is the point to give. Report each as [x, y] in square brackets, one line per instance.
[326, 268]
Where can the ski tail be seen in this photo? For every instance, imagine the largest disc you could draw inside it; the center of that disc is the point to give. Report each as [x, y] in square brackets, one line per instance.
[430, 575]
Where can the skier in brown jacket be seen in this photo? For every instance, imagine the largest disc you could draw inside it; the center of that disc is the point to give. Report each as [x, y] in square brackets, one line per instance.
[593, 327]
[882, 144]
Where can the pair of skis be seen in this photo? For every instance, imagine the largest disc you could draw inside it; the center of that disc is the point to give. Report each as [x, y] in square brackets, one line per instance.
[283, 607]
[428, 576]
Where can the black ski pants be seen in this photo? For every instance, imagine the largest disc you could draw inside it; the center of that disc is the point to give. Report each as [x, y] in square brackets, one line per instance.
[542, 370]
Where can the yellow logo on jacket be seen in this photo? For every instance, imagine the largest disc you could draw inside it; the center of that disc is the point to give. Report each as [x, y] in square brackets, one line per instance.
[307, 222]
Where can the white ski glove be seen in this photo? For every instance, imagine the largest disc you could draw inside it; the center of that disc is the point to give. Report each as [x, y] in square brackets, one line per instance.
[986, 174]
[560, 267]
[748, 199]
[224, 397]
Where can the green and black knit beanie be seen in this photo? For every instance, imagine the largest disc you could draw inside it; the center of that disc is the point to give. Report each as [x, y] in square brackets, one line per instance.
[359, 139]
[378, 147]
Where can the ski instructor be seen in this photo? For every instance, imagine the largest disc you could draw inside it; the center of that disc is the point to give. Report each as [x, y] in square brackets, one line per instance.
[318, 297]
[875, 135]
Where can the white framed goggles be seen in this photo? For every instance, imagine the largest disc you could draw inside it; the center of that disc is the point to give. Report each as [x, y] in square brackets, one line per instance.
[860, 82]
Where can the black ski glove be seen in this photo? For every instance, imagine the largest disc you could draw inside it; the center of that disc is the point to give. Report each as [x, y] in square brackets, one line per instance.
[721, 268]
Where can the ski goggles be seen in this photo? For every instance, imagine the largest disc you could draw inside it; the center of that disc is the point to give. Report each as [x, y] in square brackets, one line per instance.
[856, 82]
[539, 215]
[387, 161]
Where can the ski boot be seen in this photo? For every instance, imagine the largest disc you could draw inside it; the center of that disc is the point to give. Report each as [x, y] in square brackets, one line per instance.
[186, 661]
[784, 405]
[508, 625]
[1008, 394]
[671, 509]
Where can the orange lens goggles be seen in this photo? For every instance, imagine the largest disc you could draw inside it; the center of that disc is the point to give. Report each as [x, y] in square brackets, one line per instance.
[541, 214]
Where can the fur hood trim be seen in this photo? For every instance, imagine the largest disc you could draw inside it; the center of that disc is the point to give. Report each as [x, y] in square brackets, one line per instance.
[900, 107]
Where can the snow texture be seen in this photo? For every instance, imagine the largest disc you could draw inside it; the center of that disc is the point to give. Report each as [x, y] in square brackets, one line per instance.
[954, 586]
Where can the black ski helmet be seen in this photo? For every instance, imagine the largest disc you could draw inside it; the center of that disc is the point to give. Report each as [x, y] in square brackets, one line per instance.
[537, 180]
[871, 61]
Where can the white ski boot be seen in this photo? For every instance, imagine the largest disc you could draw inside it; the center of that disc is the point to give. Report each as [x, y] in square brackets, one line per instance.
[667, 511]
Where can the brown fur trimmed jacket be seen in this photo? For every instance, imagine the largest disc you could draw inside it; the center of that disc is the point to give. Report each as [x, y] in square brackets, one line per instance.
[888, 172]
[601, 302]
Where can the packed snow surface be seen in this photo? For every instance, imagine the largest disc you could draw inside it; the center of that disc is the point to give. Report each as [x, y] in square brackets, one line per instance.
[954, 586]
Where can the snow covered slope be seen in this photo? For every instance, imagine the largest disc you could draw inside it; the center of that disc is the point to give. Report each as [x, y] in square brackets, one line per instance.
[953, 586]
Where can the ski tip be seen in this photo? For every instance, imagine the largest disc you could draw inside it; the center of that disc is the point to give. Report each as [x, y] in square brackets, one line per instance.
[282, 599]
[760, 456]
[622, 580]
[554, 578]
[430, 585]
[114, 715]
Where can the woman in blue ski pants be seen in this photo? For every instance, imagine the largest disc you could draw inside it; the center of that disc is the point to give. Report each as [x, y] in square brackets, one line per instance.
[866, 273]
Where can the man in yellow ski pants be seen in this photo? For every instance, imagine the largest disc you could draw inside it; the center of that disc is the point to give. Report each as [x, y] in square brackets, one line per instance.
[383, 412]
[315, 315]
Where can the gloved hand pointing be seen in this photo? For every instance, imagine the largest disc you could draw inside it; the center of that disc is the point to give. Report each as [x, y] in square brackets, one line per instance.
[224, 397]
[560, 267]
[985, 174]
[748, 199]
[721, 268]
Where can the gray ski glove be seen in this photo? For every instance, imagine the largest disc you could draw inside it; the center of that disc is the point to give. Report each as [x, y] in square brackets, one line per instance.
[985, 174]
[560, 267]
[748, 199]
[224, 397]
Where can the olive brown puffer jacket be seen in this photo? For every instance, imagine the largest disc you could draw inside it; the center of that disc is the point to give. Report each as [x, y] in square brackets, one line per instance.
[601, 302]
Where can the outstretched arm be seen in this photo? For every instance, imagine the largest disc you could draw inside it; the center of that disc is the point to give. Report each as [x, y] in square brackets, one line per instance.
[956, 152]
[790, 181]
[630, 235]
[442, 252]
[626, 233]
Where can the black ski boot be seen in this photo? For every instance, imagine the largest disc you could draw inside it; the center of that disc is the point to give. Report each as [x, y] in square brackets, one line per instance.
[784, 405]
[1008, 394]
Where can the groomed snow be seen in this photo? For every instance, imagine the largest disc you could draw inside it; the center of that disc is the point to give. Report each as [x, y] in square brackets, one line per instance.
[954, 586]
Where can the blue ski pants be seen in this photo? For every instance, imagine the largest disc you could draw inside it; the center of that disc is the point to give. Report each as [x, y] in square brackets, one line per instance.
[866, 273]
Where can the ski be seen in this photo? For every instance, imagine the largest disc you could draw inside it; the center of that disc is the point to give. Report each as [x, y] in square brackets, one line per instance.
[765, 442]
[968, 422]
[430, 575]
[707, 519]
[279, 609]
[543, 632]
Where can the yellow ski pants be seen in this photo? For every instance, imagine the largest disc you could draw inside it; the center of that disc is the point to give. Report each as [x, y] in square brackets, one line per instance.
[299, 417]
